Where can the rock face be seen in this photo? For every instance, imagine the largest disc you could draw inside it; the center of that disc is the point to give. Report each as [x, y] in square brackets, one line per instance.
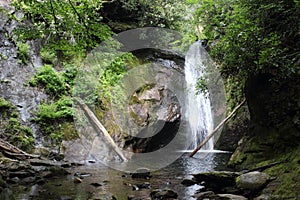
[154, 110]
[14, 75]
[252, 181]
[158, 112]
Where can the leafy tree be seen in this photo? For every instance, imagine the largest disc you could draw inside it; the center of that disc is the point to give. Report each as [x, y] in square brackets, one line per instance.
[68, 26]
[250, 37]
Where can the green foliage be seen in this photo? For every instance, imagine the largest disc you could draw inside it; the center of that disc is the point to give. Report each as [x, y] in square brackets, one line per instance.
[70, 72]
[23, 52]
[113, 74]
[11, 129]
[4, 104]
[201, 86]
[48, 56]
[20, 135]
[55, 111]
[160, 13]
[250, 37]
[52, 80]
[55, 119]
[68, 27]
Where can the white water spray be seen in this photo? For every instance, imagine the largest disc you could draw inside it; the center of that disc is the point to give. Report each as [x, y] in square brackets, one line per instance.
[198, 112]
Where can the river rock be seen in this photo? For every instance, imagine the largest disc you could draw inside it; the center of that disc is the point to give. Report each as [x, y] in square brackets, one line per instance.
[141, 173]
[231, 197]
[218, 181]
[145, 185]
[263, 197]
[77, 180]
[131, 197]
[252, 181]
[188, 182]
[204, 195]
[212, 195]
[96, 184]
[166, 193]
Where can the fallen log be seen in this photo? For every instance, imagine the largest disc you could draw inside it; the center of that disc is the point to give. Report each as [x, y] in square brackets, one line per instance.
[217, 128]
[13, 151]
[102, 129]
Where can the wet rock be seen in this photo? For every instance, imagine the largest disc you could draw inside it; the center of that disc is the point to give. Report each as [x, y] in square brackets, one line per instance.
[66, 198]
[40, 162]
[96, 184]
[188, 182]
[263, 197]
[82, 174]
[131, 197]
[13, 180]
[29, 180]
[141, 173]
[145, 185]
[47, 174]
[219, 181]
[204, 195]
[77, 180]
[14, 166]
[252, 181]
[2, 182]
[231, 197]
[54, 171]
[134, 187]
[166, 193]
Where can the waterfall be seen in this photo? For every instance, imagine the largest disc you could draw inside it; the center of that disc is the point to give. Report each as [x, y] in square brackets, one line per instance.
[198, 112]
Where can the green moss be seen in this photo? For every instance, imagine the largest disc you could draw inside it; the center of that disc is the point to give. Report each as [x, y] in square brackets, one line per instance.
[4, 104]
[23, 52]
[52, 80]
[287, 175]
[56, 120]
[69, 131]
[19, 135]
[269, 145]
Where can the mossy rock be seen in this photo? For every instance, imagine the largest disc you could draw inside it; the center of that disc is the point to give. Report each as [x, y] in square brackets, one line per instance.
[252, 181]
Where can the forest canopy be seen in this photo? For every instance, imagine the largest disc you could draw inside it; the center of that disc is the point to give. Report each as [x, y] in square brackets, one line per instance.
[249, 37]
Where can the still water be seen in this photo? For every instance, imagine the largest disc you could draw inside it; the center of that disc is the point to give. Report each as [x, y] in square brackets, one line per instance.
[101, 182]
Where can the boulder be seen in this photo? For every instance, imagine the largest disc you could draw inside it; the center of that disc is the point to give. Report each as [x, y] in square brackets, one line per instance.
[166, 193]
[218, 181]
[252, 181]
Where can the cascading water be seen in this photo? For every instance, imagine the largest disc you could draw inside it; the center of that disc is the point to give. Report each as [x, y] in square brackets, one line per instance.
[198, 112]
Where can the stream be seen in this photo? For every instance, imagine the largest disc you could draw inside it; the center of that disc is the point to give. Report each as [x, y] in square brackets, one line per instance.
[101, 182]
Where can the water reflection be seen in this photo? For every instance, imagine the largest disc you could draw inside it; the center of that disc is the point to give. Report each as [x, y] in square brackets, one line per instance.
[119, 184]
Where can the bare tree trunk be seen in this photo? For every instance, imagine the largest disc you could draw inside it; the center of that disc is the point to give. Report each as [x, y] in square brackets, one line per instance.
[99, 126]
[14, 152]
